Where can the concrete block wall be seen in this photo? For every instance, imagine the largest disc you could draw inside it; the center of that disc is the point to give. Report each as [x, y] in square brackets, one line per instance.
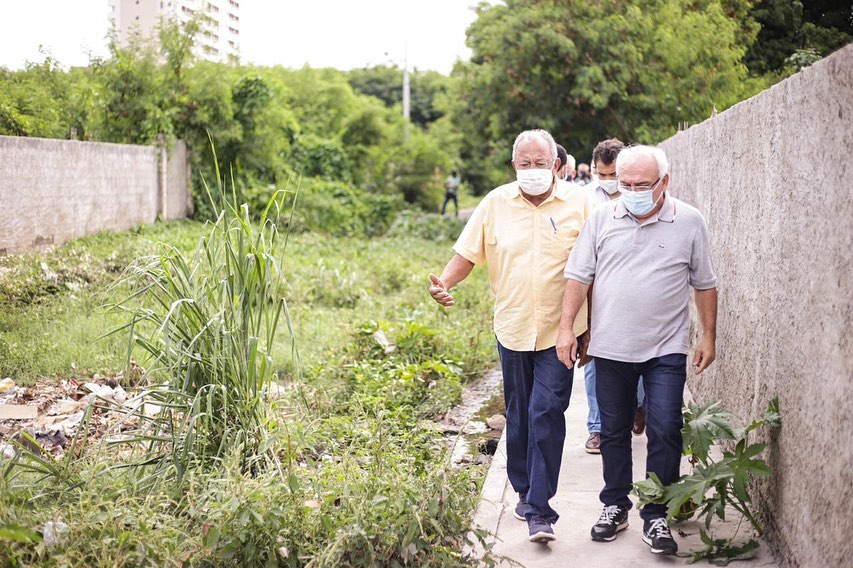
[773, 176]
[176, 200]
[52, 191]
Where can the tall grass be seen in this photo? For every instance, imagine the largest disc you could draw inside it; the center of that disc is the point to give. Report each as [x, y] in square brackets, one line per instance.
[206, 322]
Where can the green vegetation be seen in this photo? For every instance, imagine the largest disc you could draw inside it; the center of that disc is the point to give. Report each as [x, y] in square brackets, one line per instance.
[795, 34]
[586, 71]
[716, 483]
[354, 472]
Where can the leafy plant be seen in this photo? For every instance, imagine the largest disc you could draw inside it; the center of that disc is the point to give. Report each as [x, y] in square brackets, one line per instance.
[207, 324]
[715, 484]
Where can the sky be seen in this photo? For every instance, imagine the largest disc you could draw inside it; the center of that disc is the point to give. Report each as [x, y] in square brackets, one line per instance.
[429, 34]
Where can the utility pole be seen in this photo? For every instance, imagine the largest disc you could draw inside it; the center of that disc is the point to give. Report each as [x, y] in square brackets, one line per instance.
[406, 96]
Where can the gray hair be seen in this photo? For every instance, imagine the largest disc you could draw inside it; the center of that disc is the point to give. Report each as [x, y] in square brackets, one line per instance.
[570, 161]
[535, 134]
[633, 153]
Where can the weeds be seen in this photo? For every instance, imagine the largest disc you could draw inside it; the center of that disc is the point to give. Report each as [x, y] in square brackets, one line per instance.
[362, 479]
[715, 484]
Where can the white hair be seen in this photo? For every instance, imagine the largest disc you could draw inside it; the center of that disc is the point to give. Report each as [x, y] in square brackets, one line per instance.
[570, 161]
[633, 153]
[535, 134]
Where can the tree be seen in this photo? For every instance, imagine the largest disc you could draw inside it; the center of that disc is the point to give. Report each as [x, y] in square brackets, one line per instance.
[386, 84]
[788, 27]
[627, 68]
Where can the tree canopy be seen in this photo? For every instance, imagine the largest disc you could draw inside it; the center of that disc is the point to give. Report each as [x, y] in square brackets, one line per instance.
[587, 71]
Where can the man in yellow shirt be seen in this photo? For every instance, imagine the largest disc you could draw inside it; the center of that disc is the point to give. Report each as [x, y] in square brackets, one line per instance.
[523, 232]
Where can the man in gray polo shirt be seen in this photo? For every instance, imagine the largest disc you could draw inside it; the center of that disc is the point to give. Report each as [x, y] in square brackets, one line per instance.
[644, 251]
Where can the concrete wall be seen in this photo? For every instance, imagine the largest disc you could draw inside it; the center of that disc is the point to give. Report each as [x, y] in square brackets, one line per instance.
[773, 176]
[175, 198]
[55, 190]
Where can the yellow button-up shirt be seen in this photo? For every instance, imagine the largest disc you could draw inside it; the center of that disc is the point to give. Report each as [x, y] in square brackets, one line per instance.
[525, 249]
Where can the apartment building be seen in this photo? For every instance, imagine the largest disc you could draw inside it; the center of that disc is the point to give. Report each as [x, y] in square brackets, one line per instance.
[218, 40]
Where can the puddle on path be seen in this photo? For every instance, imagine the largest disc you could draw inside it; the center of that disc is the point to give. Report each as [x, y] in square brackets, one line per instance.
[466, 425]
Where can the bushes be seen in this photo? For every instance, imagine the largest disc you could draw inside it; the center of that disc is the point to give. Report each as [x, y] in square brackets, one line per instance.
[332, 207]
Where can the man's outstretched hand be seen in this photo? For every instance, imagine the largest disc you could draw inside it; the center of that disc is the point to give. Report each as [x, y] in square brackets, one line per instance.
[439, 292]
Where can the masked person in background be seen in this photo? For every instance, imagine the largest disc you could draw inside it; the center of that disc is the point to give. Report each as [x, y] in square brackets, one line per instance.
[523, 232]
[567, 165]
[583, 177]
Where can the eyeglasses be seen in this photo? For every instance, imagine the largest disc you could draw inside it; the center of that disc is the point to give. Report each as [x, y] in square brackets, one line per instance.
[641, 187]
[539, 164]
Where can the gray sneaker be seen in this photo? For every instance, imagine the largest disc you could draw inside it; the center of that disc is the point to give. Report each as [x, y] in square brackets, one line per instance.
[540, 529]
[521, 507]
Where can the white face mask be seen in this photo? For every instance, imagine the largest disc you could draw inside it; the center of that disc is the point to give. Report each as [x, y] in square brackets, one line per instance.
[535, 181]
[611, 186]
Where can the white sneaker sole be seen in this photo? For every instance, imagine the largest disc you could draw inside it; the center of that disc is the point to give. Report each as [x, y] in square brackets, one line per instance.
[621, 527]
[519, 517]
[654, 550]
[542, 537]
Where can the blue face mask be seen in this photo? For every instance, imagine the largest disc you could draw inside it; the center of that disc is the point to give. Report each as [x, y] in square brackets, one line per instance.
[640, 202]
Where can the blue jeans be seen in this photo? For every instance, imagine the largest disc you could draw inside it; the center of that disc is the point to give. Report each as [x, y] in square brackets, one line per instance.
[616, 389]
[593, 419]
[537, 388]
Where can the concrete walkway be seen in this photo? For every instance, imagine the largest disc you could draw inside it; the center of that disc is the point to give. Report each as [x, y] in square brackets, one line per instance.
[578, 505]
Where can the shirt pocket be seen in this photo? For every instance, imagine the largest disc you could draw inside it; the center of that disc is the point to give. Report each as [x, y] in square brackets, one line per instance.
[563, 238]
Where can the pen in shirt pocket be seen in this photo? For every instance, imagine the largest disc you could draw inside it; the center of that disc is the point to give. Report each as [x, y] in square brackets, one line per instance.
[553, 224]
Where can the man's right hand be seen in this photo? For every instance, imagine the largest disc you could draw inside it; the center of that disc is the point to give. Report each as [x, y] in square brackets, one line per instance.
[567, 347]
[439, 292]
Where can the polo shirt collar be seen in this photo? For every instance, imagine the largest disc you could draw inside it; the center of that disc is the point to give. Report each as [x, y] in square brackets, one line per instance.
[665, 214]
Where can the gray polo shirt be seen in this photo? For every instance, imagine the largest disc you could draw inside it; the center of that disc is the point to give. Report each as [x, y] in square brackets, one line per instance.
[643, 274]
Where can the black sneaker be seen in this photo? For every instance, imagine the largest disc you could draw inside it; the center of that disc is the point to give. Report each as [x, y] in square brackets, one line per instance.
[540, 529]
[521, 507]
[657, 535]
[612, 520]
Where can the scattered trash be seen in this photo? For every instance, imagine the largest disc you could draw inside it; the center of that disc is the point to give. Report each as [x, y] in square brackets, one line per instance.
[52, 440]
[69, 406]
[496, 422]
[474, 427]
[383, 341]
[119, 395]
[7, 451]
[67, 424]
[18, 411]
[7, 385]
[53, 531]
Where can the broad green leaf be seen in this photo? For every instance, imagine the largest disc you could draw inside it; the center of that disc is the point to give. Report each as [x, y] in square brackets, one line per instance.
[19, 534]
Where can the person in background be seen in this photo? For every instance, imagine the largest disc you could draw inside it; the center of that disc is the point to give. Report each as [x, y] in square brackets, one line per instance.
[451, 191]
[523, 232]
[603, 189]
[643, 252]
[583, 176]
[567, 165]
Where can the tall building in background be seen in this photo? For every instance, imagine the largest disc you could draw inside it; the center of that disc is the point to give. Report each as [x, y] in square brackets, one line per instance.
[218, 40]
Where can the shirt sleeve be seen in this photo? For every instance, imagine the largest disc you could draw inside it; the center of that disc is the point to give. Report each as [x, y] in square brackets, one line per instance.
[701, 269]
[471, 244]
[583, 258]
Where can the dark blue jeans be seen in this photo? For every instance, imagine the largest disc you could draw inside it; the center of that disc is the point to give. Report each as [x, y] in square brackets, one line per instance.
[616, 391]
[537, 388]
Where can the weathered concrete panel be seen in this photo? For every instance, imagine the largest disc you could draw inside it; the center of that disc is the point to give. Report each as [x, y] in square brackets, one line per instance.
[177, 201]
[773, 177]
[55, 190]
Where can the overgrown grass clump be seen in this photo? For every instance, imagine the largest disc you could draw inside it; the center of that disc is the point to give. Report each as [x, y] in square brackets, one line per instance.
[353, 472]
